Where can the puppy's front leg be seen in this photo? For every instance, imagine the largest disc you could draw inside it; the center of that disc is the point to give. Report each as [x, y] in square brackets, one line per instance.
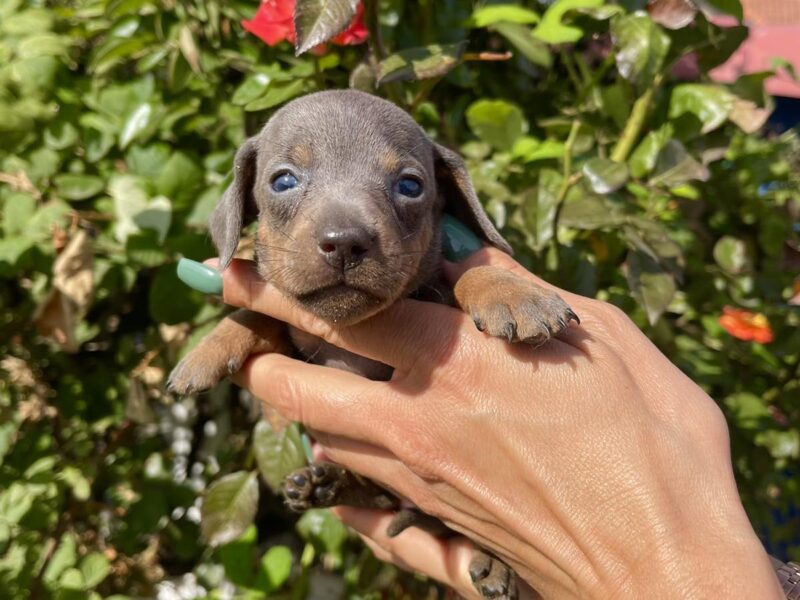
[509, 306]
[223, 351]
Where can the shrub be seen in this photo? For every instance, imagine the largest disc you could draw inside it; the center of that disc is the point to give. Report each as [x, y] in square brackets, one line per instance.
[593, 135]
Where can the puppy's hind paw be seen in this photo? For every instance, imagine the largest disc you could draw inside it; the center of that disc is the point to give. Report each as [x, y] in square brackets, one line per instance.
[492, 577]
[315, 486]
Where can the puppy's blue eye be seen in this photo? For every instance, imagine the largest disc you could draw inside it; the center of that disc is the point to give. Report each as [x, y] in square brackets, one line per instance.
[283, 182]
[408, 186]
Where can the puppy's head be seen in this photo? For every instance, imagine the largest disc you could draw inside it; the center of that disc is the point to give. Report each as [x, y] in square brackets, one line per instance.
[348, 192]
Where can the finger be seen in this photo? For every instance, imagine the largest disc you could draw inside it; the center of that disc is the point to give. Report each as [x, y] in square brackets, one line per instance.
[322, 398]
[393, 337]
[416, 550]
[494, 257]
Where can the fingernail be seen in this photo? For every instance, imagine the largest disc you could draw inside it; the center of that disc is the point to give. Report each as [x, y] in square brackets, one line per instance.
[458, 242]
[199, 276]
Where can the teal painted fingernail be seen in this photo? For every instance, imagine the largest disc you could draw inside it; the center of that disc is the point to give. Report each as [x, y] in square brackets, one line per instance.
[458, 242]
[199, 276]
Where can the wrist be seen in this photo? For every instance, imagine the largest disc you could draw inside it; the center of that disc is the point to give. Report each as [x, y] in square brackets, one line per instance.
[710, 564]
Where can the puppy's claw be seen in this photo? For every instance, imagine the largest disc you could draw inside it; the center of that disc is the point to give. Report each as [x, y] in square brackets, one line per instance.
[573, 317]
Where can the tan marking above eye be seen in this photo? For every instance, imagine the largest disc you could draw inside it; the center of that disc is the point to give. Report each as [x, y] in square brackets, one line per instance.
[389, 160]
[301, 155]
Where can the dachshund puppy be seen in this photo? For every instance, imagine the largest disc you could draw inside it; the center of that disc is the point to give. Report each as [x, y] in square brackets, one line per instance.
[349, 193]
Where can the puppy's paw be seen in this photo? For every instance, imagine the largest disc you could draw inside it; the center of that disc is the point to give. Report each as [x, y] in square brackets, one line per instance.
[492, 577]
[511, 307]
[223, 351]
[315, 486]
[204, 367]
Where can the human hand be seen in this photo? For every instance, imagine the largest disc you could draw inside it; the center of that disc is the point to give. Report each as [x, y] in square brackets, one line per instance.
[592, 464]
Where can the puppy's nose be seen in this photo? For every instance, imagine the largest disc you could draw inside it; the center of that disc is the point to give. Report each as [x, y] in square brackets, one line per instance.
[344, 248]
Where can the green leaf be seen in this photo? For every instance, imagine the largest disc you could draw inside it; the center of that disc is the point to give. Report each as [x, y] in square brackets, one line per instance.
[80, 485]
[171, 301]
[60, 135]
[79, 187]
[732, 255]
[730, 7]
[362, 77]
[278, 92]
[643, 159]
[711, 104]
[276, 566]
[325, 531]
[531, 48]
[529, 149]
[15, 502]
[18, 209]
[497, 13]
[748, 410]
[675, 166]
[251, 88]
[497, 122]
[540, 209]
[640, 47]
[238, 557]
[64, 557]
[133, 209]
[780, 444]
[652, 287]
[179, 178]
[420, 63]
[135, 124]
[42, 466]
[316, 21]
[277, 453]
[72, 579]
[147, 161]
[553, 30]
[94, 569]
[604, 175]
[583, 209]
[43, 44]
[8, 433]
[229, 507]
[144, 249]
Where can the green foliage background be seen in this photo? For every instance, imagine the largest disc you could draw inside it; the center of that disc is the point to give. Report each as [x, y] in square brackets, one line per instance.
[119, 120]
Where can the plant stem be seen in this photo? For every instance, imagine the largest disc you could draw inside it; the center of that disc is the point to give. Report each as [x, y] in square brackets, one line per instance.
[633, 129]
[570, 179]
[377, 49]
[372, 21]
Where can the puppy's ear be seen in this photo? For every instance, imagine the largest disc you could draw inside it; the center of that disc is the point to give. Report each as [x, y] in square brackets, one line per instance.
[461, 201]
[237, 207]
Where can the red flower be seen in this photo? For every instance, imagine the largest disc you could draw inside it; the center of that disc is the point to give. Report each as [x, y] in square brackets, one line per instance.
[356, 32]
[746, 325]
[274, 23]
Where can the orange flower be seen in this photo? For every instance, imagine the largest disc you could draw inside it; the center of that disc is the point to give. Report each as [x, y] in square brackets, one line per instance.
[274, 22]
[746, 325]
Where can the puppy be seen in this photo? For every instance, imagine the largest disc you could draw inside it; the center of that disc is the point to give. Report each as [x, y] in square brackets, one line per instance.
[349, 194]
